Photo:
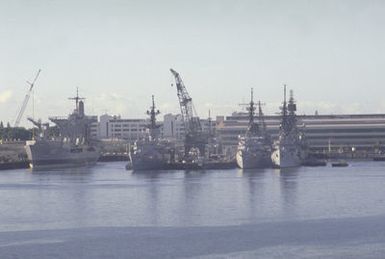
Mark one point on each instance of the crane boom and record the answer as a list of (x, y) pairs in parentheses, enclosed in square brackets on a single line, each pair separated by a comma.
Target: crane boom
[(38, 123), (26, 99), (191, 122), (194, 137)]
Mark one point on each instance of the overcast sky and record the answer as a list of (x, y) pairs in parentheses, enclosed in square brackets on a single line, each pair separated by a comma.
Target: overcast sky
[(331, 53)]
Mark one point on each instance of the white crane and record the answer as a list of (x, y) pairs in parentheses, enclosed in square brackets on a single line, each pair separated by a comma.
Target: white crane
[(26, 99)]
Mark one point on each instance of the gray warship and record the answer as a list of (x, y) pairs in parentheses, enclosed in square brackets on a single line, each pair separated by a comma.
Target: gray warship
[(73, 146), (290, 150), (254, 148), (151, 152)]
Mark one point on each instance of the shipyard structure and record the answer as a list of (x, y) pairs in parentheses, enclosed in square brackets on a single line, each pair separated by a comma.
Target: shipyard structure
[(116, 127), (360, 134), (325, 133)]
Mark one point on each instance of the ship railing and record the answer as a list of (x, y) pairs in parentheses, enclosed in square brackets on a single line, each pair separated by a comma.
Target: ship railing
[(58, 118)]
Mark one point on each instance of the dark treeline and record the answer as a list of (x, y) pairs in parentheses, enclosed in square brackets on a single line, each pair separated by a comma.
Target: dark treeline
[(10, 133), (19, 133)]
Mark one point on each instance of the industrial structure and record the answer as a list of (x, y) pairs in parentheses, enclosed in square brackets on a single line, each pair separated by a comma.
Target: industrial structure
[(26, 99), (194, 136), (116, 127), (324, 133)]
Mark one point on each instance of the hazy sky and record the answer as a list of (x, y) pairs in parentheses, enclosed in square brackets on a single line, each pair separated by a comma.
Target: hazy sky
[(332, 53)]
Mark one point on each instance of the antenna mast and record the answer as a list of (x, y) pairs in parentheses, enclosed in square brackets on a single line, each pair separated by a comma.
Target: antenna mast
[(77, 99)]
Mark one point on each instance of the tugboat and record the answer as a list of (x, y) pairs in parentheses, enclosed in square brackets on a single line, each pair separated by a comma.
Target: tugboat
[(290, 148), (254, 149), (151, 152), (73, 146)]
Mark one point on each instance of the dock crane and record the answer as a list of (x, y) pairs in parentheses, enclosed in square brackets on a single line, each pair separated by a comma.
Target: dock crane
[(26, 99), (194, 137)]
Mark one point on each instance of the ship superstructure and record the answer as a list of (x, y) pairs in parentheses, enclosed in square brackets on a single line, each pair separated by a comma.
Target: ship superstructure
[(254, 148), (72, 147), (290, 148), (151, 152)]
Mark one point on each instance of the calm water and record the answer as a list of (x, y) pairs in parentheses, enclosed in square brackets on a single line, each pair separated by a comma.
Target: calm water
[(106, 211)]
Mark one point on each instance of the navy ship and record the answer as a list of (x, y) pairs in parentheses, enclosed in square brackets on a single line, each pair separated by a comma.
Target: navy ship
[(73, 146), (290, 148), (254, 149), (151, 152)]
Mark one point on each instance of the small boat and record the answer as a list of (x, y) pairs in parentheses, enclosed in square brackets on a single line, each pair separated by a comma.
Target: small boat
[(341, 163)]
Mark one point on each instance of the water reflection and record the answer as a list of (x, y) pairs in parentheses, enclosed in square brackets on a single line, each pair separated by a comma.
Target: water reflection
[(288, 190), (151, 200), (79, 174), (172, 197), (147, 175), (108, 195), (59, 193), (256, 190), (192, 199)]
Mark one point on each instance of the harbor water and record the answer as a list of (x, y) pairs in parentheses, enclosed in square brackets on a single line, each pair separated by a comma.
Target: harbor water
[(107, 212)]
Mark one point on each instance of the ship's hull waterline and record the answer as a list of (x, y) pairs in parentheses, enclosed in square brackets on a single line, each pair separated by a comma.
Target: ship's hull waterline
[(285, 159), (147, 164), (50, 155), (247, 160)]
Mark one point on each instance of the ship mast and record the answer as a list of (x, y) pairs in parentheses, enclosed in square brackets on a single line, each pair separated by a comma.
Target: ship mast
[(251, 108), (289, 108), (261, 116), (284, 125), (77, 99), (153, 112), (253, 127)]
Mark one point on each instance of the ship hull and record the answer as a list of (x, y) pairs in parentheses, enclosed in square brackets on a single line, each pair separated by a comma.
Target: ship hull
[(285, 159), (48, 155), (147, 164), (247, 160), (150, 157)]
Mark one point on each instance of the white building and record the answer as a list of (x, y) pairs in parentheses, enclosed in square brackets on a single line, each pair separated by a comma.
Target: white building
[(173, 127), (114, 127), (340, 131)]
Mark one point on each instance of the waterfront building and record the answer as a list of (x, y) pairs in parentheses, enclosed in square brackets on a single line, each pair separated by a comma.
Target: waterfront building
[(173, 127), (325, 133), (115, 127)]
